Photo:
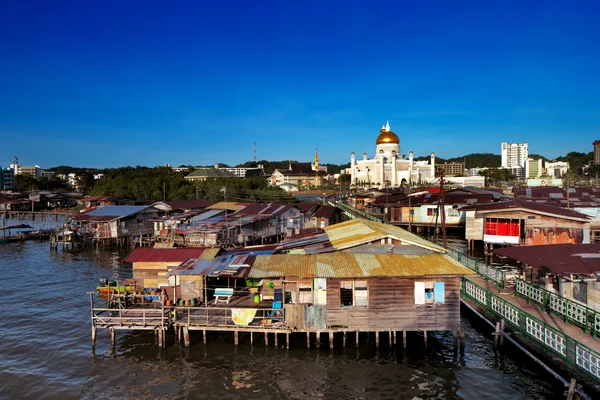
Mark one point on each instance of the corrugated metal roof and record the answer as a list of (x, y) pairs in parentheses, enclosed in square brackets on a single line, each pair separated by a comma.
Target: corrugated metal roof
[(348, 265), (360, 231), (529, 206), (206, 215), (557, 258), (115, 211), (152, 254), (227, 205)]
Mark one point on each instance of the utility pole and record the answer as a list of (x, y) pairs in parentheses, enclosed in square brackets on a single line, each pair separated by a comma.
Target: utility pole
[(441, 202)]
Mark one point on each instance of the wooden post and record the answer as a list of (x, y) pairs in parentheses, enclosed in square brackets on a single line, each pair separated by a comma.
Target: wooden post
[(112, 337), (331, 339), (266, 338), (425, 337), (497, 333), (93, 335), (251, 338), (308, 340), (159, 333), (404, 338), (390, 337), (204, 335), (318, 339), (455, 338), (186, 336), (571, 391), (235, 337), (502, 330), (376, 338), (287, 340), (275, 334), (344, 345), (357, 339), (462, 338)]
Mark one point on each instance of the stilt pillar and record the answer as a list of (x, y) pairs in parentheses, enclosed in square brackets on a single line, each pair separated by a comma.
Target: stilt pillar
[(425, 338), (308, 340), (376, 338), (93, 335), (404, 338), (186, 336), (112, 337), (318, 339), (287, 340), (331, 339), (204, 336), (357, 336), (235, 337)]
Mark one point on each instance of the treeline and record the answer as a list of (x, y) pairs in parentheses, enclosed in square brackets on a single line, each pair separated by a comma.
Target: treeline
[(162, 183)]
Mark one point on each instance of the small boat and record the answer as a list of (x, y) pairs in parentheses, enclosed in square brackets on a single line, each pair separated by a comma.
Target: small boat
[(10, 239)]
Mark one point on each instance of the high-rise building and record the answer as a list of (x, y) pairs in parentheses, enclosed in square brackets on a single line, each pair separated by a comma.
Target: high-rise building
[(514, 157), (533, 168), (7, 178), (514, 154), (596, 152)]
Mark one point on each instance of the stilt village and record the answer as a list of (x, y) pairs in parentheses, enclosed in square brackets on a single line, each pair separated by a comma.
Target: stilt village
[(351, 266)]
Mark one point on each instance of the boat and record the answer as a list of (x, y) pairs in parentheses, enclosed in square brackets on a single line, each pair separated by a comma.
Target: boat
[(12, 238)]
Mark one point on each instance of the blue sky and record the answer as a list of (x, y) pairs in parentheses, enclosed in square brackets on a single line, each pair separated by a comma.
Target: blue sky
[(115, 83)]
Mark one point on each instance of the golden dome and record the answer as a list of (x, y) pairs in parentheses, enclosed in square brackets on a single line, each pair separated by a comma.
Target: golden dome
[(387, 137)]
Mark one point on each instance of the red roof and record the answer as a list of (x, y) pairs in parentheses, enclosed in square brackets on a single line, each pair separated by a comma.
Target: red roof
[(324, 212), (190, 204), (557, 258), (527, 205), (151, 254)]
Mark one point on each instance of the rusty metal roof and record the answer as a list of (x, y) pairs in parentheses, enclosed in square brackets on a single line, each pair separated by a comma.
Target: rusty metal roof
[(150, 254), (227, 205), (360, 231), (350, 265)]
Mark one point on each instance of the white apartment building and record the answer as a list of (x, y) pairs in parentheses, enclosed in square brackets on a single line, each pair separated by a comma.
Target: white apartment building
[(557, 169), (514, 157)]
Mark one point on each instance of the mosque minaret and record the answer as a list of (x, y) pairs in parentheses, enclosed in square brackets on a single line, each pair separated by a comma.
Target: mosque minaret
[(388, 168)]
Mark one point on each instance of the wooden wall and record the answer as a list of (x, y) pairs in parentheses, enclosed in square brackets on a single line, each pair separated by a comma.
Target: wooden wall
[(392, 306)]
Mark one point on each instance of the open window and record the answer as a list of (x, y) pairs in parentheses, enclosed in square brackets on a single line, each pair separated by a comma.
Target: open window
[(354, 293), (430, 293)]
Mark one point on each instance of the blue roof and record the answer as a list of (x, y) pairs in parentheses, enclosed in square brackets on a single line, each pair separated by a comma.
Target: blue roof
[(115, 211)]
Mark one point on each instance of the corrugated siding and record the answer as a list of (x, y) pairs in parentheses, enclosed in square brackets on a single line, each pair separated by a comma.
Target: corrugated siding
[(392, 307)]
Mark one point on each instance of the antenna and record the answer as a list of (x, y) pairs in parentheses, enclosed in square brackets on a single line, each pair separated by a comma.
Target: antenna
[(254, 151)]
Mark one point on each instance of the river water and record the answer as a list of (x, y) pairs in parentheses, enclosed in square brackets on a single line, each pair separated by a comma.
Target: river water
[(46, 353)]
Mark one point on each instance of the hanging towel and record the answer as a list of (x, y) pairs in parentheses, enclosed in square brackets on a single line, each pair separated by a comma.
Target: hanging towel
[(242, 316)]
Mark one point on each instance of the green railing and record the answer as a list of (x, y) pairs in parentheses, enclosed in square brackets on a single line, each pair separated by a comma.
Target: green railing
[(487, 271), (569, 310), (353, 212), (569, 349)]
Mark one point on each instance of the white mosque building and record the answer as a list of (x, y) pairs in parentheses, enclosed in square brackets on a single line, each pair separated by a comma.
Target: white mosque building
[(388, 168)]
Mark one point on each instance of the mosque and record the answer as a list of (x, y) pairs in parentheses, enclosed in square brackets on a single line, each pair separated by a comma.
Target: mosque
[(388, 168)]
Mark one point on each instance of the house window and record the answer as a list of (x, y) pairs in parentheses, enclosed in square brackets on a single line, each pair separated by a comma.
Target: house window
[(502, 226), (305, 295), (429, 293), (453, 213), (354, 293), (431, 212)]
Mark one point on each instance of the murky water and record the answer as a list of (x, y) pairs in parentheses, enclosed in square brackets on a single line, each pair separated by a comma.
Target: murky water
[(45, 351)]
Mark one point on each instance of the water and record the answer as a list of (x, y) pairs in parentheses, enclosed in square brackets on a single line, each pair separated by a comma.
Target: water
[(46, 353)]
